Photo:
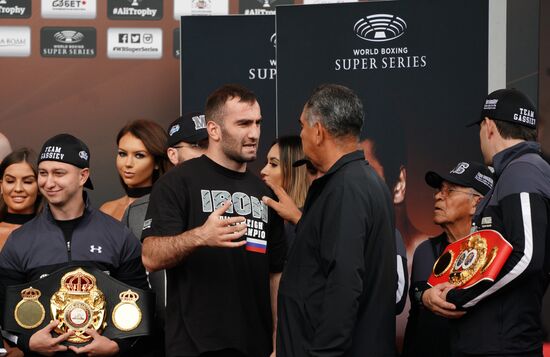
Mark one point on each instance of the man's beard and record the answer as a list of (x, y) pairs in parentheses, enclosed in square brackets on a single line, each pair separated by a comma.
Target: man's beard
[(235, 156)]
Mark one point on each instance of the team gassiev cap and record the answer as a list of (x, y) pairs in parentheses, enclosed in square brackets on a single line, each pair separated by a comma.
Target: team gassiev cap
[(68, 149), (509, 105)]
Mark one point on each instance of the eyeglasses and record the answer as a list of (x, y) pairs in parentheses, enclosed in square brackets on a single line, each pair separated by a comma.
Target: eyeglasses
[(195, 145), (446, 192)]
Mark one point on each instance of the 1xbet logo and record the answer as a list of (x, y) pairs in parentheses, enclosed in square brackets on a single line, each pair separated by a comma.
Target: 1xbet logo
[(69, 3)]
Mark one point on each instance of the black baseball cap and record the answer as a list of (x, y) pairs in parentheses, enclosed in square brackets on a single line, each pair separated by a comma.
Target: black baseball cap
[(509, 105), (467, 174), (68, 149), (190, 128)]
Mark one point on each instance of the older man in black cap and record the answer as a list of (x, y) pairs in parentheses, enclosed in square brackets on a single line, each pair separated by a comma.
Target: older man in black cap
[(456, 197), (68, 232), (503, 316), (187, 138)]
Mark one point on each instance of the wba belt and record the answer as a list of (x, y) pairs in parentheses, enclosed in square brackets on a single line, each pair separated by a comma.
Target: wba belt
[(472, 259), (79, 298)]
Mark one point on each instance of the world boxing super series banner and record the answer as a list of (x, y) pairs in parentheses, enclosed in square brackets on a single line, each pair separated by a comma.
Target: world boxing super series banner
[(230, 49), (421, 70)]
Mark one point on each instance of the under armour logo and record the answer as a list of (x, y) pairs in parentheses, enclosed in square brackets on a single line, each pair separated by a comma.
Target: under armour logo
[(94, 249), (460, 168)]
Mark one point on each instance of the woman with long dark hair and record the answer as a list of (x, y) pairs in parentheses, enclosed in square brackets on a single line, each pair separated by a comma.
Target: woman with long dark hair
[(19, 200), (141, 160)]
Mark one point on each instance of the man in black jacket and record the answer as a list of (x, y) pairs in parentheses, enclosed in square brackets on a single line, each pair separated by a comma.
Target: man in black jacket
[(69, 232), (337, 293), (503, 317)]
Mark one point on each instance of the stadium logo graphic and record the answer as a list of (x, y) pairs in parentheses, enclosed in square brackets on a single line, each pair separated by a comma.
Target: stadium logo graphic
[(74, 42), (68, 36), (380, 27), (273, 40)]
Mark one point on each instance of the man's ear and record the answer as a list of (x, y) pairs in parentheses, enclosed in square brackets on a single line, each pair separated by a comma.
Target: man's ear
[(491, 128), (475, 201), (319, 133), (84, 174), (172, 154), (214, 130), (400, 188)]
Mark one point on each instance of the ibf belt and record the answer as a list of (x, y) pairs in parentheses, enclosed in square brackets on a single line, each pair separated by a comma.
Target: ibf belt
[(477, 257), (80, 299)]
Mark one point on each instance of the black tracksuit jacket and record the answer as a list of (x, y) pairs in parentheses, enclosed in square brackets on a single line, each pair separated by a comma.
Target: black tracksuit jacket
[(38, 248), (503, 317)]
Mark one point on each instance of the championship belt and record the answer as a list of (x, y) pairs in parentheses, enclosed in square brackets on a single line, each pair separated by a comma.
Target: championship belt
[(80, 299), (477, 257)]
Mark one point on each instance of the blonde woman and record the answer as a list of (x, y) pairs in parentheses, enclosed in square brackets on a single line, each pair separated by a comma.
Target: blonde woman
[(289, 183)]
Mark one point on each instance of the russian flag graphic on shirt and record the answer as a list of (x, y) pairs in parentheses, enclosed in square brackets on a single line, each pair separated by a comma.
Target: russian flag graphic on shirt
[(256, 245)]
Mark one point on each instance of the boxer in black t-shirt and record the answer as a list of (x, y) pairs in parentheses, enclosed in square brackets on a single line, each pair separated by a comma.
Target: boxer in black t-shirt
[(222, 247)]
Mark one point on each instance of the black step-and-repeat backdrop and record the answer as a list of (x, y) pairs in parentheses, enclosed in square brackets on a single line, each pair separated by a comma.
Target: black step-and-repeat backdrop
[(421, 72), (230, 49), (421, 69)]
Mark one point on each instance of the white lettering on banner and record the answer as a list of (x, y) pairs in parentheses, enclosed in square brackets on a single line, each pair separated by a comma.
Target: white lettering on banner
[(380, 58), (69, 51), (15, 10), (128, 11), (366, 63), (259, 12), (262, 73), (242, 204)]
